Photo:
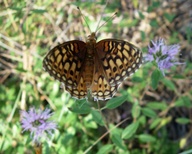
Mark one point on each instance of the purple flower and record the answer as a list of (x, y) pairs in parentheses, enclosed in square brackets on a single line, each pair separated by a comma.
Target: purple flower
[(36, 121), (165, 56)]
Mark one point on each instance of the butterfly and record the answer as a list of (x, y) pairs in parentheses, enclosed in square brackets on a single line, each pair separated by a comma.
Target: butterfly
[(95, 67)]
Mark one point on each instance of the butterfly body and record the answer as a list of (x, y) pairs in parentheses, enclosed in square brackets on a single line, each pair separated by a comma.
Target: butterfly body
[(88, 68), (96, 67)]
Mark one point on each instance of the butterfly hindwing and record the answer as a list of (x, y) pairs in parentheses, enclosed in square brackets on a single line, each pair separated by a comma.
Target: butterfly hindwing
[(101, 88), (79, 91)]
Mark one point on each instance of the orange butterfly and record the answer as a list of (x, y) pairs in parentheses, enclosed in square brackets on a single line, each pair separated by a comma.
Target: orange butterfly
[(98, 67)]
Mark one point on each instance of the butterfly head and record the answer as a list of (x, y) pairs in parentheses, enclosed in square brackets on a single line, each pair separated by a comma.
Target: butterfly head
[(92, 38)]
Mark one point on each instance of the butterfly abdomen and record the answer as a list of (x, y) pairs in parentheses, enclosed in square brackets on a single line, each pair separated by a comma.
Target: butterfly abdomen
[(88, 70)]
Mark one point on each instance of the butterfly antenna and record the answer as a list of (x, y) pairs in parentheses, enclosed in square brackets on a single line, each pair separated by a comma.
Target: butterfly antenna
[(84, 19), (110, 18), (101, 15)]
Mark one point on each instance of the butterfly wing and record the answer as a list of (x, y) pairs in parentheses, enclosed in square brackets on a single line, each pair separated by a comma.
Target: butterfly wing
[(64, 62), (119, 59), (79, 91), (100, 88)]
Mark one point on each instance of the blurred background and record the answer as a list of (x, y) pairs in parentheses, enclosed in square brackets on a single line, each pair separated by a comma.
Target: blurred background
[(29, 29)]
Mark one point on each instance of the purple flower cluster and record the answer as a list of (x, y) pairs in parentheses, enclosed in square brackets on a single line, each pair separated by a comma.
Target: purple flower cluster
[(165, 56), (36, 121)]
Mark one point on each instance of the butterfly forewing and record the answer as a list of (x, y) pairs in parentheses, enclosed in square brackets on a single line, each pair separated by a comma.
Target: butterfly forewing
[(119, 59), (64, 62)]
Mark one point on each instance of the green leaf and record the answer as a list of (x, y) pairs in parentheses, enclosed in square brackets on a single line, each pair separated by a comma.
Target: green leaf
[(183, 120), (156, 4), (169, 84), (155, 122), (136, 79), (146, 138), (165, 121), (143, 35), (157, 105), (39, 11), (169, 16), (142, 120), (117, 140), (141, 15), (136, 110), (183, 101), (97, 117), (135, 3), (155, 78), (150, 9), (129, 23), (115, 102), (80, 107), (186, 152), (148, 112), (189, 35), (130, 130), (154, 23), (105, 149), (178, 76)]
